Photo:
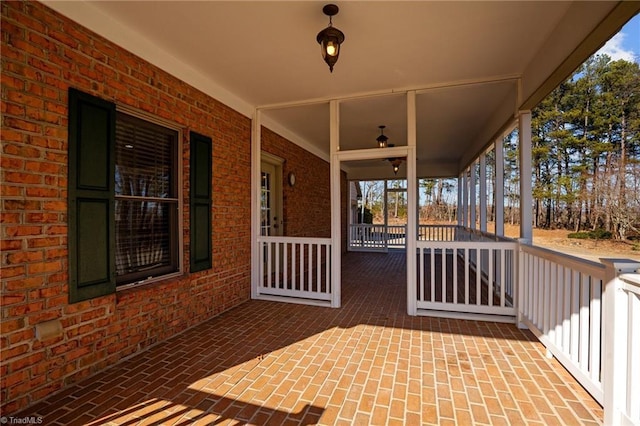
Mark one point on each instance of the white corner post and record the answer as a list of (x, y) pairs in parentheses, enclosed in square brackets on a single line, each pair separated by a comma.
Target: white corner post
[(499, 187), (483, 192), (336, 222), (256, 256), (412, 204), (472, 195), (620, 368), (526, 190)]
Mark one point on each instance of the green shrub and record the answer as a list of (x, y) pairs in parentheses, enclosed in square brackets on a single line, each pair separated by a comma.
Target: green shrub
[(579, 235), (598, 234)]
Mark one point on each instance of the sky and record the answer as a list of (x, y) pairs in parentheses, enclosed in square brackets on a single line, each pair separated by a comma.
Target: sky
[(626, 44)]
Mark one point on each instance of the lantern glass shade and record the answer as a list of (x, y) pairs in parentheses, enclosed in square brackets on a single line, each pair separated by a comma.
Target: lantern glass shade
[(382, 141), (395, 163), (330, 40)]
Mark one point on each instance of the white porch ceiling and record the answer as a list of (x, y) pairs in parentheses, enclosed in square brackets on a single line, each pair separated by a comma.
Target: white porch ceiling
[(473, 64)]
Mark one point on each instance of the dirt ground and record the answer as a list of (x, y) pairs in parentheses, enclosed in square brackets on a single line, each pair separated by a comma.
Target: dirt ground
[(556, 239)]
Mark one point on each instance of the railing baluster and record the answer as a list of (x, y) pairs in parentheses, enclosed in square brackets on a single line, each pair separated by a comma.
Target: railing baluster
[(490, 290), (285, 265), (548, 309), (294, 266), (584, 323), (443, 273), (559, 314), (318, 286), (276, 275), (566, 319), (454, 265), (503, 277), (478, 258), (595, 328), (466, 276), (421, 273), (575, 316), (432, 273), (269, 265)]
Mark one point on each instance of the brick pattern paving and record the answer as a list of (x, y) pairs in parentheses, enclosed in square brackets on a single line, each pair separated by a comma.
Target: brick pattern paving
[(367, 363)]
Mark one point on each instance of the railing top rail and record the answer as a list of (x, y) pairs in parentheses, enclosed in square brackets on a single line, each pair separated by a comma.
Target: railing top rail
[(633, 280), (485, 234), (298, 240), (483, 245), (590, 267)]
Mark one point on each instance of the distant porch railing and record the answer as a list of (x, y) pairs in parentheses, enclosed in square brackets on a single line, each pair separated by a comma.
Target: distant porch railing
[(369, 237)]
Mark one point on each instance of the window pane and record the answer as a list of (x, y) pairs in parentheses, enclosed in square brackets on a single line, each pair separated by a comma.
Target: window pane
[(146, 200), (143, 237), (144, 158)]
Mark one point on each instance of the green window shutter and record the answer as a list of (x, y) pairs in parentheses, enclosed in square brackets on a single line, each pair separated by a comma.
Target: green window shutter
[(91, 197), (200, 202)]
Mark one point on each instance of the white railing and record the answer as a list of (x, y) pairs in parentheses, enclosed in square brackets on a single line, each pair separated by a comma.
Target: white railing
[(437, 232), (561, 303), (396, 236), (467, 277), (621, 366), (587, 315), (295, 267), (367, 237)]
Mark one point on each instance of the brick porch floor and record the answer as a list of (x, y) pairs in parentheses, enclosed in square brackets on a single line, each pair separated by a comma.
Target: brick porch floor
[(366, 363)]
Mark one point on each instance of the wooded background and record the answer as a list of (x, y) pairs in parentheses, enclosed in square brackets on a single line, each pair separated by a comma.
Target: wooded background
[(586, 159)]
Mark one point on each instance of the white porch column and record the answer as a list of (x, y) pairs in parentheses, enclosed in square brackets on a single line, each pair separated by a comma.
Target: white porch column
[(256, 256), (459, 209), (472, 196), (483, 192), (465, 198), (499, 187), (526, 191), (412, 204), (336, 231)]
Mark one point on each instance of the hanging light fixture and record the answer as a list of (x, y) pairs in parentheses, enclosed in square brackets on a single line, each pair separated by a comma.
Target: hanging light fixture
[(330, 38), (382, 139), (395, 163), (382, 143)]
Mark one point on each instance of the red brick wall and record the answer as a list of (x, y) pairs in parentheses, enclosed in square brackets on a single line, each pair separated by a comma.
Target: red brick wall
[(43, 54)]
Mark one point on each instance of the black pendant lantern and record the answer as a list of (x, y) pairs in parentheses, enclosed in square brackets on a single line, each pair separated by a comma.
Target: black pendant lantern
[(382, 139), (330, 38)]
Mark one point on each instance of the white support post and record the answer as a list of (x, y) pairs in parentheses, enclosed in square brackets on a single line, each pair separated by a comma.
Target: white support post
[(412, 204), (465, 198), (460, 209), (499, 187), (616, 324), (526, 190), (473, 196), (385, 209), (256, 256), (483, 192), (336, 231)]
